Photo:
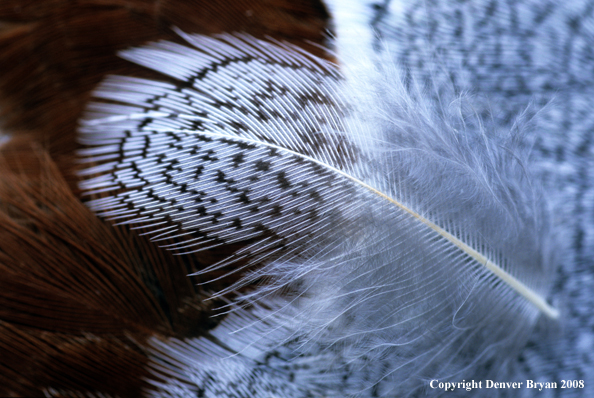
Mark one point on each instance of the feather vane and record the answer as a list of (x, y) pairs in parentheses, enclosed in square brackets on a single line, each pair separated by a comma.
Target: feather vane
[(392, 230)]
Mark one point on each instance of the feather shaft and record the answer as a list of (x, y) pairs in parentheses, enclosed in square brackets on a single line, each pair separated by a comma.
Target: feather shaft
[(514, 283)]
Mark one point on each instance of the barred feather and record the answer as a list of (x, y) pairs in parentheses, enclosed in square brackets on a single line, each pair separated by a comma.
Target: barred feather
[(393, 242)]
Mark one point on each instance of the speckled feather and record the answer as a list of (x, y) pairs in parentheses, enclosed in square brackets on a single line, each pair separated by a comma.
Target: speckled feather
[(374, 220), (204, 160)]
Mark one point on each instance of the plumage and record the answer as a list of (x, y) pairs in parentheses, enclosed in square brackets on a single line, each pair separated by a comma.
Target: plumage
[(381, 231), (346, 226)]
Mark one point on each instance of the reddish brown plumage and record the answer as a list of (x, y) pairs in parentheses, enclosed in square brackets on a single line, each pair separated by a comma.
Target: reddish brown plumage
[(78, 296)]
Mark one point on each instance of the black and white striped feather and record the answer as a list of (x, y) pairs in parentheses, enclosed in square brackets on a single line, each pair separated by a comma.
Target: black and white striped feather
[(398, 242)]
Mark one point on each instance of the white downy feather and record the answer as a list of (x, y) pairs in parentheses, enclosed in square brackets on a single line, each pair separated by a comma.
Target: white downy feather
[(401, 243)]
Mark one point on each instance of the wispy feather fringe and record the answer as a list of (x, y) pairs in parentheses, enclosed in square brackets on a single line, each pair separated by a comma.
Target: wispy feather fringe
[(394, 242)]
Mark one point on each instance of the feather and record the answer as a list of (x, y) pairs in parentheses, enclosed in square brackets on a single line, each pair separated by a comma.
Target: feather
[(380, 242)]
